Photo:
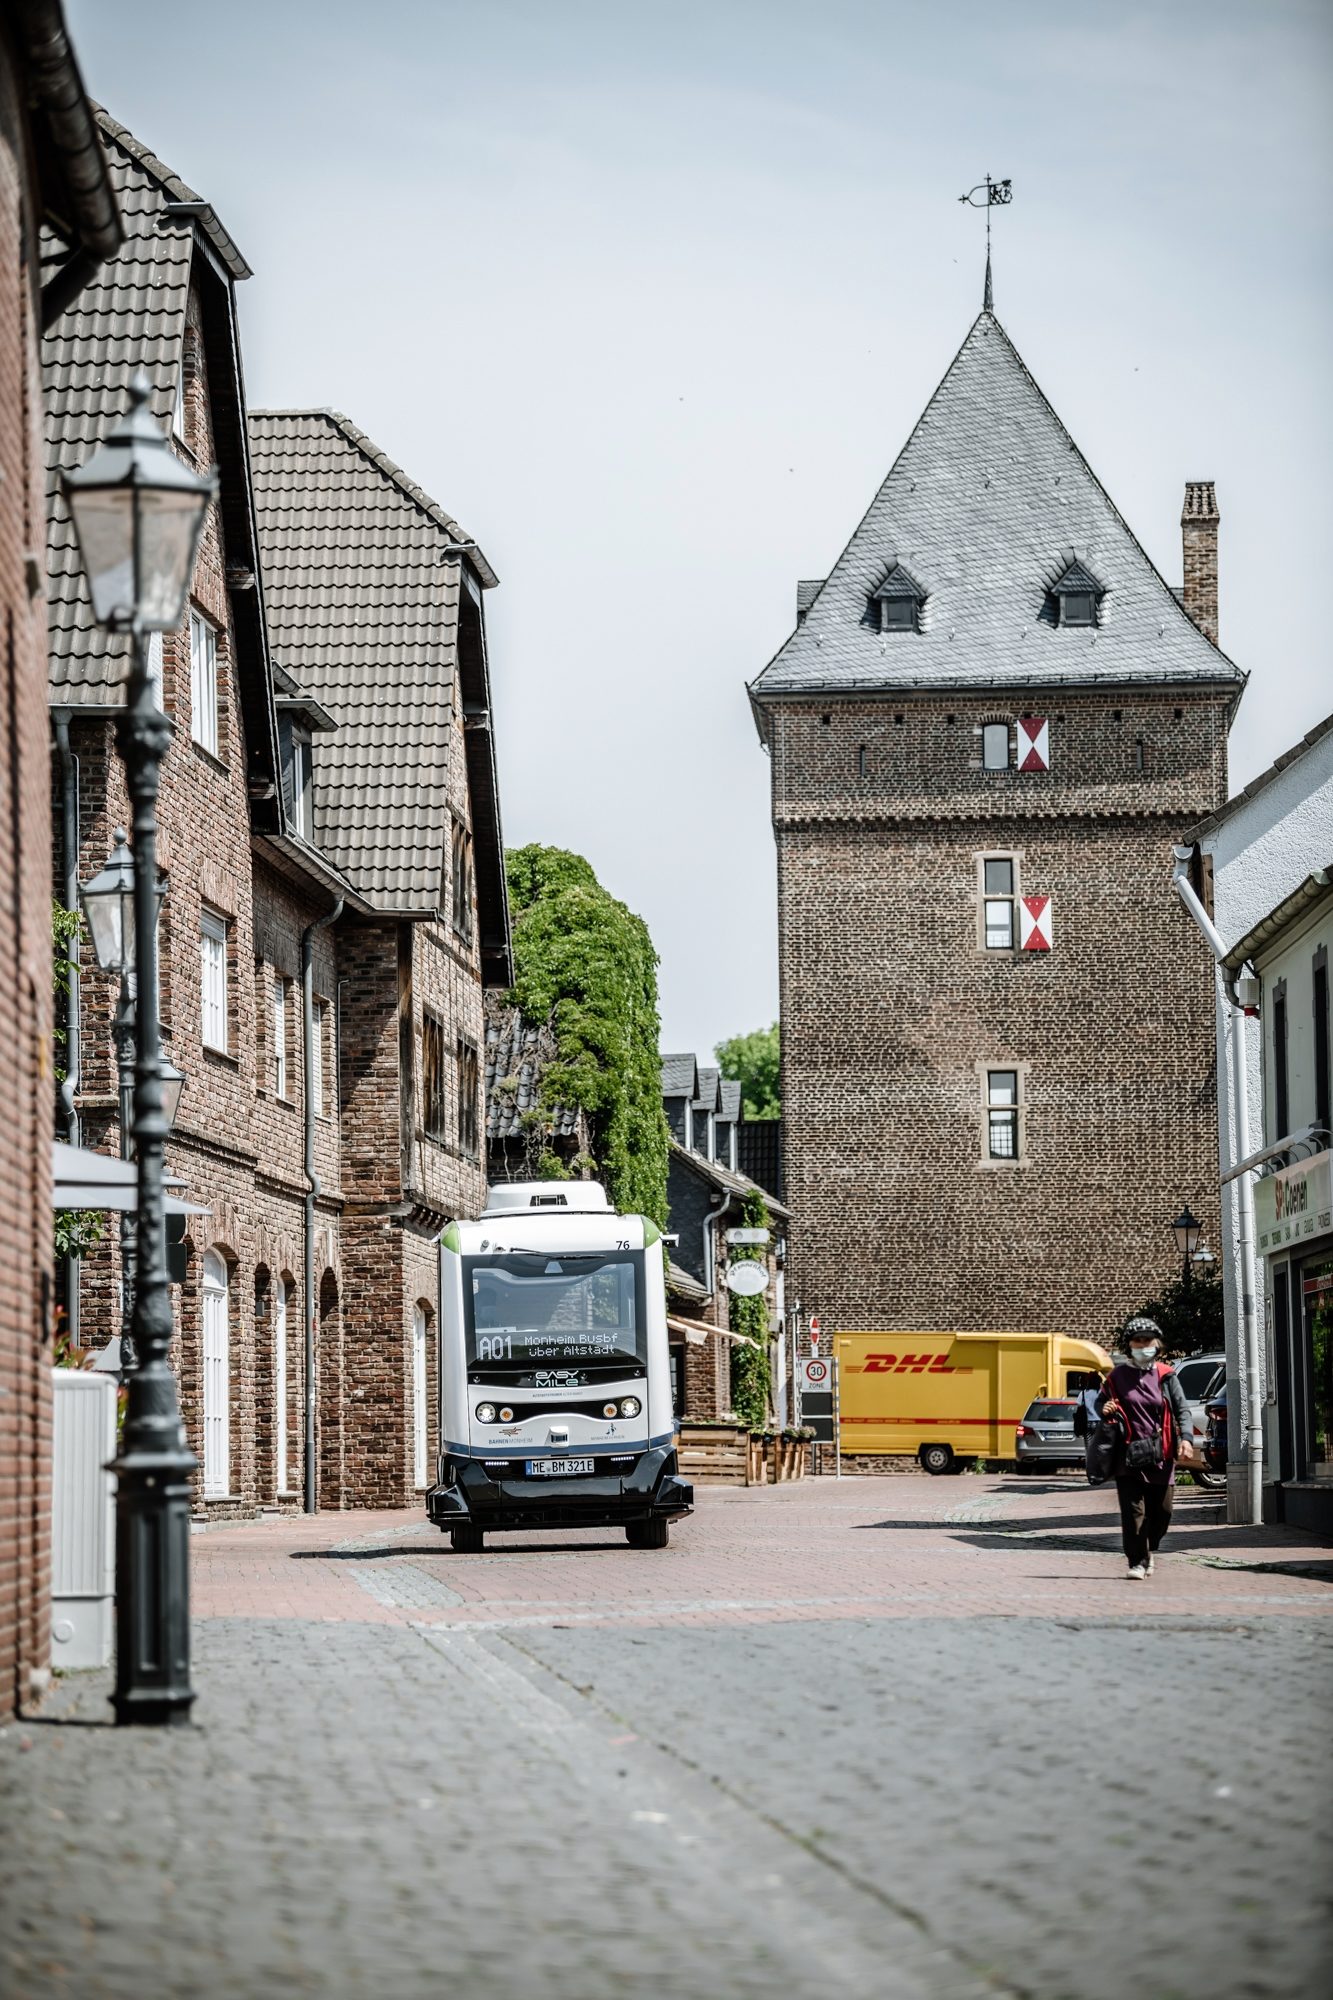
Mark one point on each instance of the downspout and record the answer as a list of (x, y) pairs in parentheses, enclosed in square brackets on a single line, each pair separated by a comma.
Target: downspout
[(312, 1187), (1240, 1103), (710, 1221), (69, 855)]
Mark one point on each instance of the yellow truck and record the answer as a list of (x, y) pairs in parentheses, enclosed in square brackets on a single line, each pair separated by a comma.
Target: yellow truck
[(947, 1397)]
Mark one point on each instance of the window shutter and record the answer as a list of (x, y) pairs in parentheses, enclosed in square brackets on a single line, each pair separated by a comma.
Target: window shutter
[(1034, 743), (1034, 915)]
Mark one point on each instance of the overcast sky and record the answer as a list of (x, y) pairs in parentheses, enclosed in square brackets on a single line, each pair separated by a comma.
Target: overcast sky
[(650, 295)]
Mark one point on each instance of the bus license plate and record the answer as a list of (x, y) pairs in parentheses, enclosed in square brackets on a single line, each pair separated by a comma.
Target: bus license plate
[(557, 1468)]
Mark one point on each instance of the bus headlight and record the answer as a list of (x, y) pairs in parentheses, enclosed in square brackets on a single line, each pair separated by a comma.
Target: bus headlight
[(506, 1416), (608, 1409), (630, 1406), (485, 1413)]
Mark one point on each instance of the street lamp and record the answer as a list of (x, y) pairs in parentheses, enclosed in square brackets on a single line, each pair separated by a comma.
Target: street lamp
[(138, 512), (1187, 1229), (108, 905)]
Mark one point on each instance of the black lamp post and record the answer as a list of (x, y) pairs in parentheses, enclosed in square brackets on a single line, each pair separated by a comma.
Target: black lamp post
[(138, 511), (108, 905), (1187, 1229)]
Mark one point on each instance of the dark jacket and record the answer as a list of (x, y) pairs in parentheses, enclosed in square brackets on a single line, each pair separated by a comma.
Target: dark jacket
[(1173, 1397)]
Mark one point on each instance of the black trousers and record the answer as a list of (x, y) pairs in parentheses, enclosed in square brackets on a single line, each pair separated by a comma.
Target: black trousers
[(1145, 1513)]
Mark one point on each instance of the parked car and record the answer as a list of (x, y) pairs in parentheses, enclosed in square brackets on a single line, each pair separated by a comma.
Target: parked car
[(1215, 1442), (1045, 1438), (1200, 1376)]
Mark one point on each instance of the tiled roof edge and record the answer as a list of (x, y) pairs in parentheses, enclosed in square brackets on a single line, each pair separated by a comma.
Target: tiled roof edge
[(406, 485), (1262, 782), (176, 189)]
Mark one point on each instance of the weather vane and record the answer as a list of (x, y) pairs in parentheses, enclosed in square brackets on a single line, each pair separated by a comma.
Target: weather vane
[(988, 194)]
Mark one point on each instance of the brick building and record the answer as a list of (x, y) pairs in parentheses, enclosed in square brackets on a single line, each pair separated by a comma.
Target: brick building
[(375, 606), (58, 220), (305, 959), (705, 1198), (990, 722)]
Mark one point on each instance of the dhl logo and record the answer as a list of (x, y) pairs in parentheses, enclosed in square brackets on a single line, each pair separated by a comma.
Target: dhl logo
[(905, 1364)]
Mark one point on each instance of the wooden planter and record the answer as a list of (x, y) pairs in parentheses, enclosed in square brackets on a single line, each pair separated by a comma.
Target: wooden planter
[(788, 1458), (714, 1454)]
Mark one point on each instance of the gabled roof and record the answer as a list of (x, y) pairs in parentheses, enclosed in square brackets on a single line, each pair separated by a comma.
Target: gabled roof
[(899, 584), (724, 1179), (731, 1099), (375, 614), (1263, 781), (992, 500), (1077, 577), (131, 315), (708, 1096), (680, 1076)]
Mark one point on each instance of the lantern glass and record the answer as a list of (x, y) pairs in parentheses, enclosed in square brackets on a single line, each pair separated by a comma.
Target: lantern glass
[(1187, 1229), (108, 906), (173, 1083)]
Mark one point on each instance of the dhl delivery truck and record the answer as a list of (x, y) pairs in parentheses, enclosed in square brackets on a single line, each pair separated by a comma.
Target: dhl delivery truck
[(947, 1397)]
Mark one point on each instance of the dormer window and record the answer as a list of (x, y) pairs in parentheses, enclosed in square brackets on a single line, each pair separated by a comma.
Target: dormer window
[(1077, 596), (898, 602), (300, 719)]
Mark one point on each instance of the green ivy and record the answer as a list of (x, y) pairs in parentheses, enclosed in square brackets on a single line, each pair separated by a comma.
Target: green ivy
[(586, 964), (66, 926), (751, 1375)]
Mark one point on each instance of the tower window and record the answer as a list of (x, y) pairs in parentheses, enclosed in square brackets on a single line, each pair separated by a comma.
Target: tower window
[(1077, 595), (896, 605), (1002, 1114), (999, 886), (995, 746)]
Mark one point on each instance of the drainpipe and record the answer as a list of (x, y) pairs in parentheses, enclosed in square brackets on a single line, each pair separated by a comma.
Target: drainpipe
[(69, 855), (1240, 1102), (710, 1222), (312, 1187)]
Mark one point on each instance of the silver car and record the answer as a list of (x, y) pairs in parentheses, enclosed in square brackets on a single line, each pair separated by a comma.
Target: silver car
[(1045, 1438)]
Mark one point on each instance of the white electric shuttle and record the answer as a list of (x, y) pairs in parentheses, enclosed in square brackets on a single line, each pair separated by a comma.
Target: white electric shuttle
[(554, 1374)]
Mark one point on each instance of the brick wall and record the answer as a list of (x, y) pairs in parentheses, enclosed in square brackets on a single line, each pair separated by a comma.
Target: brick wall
[(25, 952), (892, 1010)]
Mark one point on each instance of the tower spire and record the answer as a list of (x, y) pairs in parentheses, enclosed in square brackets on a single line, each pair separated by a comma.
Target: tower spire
[(993, 194)]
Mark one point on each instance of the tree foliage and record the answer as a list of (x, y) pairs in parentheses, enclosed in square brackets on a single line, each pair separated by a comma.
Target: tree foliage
[(751, 1371), (586, 964), (1189, 1312), (753, 1061)]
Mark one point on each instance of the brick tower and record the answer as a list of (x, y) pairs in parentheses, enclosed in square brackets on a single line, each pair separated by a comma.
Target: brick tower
[(990, 723)]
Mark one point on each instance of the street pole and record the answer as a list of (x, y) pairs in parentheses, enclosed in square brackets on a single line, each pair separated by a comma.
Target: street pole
[(154, 1464), (123, 1031)]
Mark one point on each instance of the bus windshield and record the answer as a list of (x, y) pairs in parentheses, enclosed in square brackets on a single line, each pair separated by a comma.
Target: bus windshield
[(552, 1311)]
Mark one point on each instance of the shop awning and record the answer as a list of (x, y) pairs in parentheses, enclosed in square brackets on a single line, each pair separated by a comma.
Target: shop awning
[(85, 1179)]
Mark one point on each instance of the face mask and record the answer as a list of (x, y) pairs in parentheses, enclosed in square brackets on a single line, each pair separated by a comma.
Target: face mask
[(1141, 1356)]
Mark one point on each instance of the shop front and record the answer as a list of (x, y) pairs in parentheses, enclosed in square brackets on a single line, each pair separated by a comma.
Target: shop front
[(1294, 1230)]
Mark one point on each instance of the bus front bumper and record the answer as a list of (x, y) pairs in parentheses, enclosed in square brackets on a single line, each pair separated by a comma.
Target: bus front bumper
[(488, 1497)]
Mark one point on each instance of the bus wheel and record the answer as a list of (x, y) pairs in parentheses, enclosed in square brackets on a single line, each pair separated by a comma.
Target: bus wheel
[(936, 1458), (647, 1534), (466, 1541)]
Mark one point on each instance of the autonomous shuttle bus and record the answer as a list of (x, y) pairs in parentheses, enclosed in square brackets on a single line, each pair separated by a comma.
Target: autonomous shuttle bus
[(555, 1381)]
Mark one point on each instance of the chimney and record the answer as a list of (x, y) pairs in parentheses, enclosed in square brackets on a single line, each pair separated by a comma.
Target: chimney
[(1198, 533)]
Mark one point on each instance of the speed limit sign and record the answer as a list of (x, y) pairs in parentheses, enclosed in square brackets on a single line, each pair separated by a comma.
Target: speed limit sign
[(817, 1375)]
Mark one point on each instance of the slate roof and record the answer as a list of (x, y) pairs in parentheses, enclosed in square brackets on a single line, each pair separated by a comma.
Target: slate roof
[(681, 1285), (131, 315), (709, 1097), (990, 500), (519, 1049), (723, 1177), (364, 610), (731, 1099), (680, 1076), (1079, 577)]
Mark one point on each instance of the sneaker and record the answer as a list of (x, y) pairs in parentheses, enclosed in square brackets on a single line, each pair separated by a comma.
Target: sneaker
[(1137, 1572), (1150, 1565)]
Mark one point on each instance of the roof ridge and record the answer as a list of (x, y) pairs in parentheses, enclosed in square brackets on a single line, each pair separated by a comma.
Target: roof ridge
[(176, 189)]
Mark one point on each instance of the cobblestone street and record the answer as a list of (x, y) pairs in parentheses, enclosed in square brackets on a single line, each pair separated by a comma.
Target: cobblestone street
[(898, 1736)]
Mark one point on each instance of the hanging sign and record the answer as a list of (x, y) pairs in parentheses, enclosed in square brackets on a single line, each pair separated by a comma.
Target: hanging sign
[(1034, 923), (747, 1279), (1295, 1203), (1034, 743)]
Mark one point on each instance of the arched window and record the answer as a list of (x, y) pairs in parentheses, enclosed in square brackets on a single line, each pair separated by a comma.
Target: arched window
[(217, 1377), (418, 1396)]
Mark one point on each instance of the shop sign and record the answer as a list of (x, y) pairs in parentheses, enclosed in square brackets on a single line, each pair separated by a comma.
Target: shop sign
[(1295, 1205)]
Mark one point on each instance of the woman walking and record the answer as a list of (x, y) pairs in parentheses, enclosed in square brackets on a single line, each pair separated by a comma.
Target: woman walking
[(1154, 1419)]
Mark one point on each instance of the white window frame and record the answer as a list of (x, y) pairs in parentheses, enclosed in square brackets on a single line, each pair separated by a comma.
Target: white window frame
[(303, 802), (318, 1010), (153, 661), (280, 1444), (990, 732), (278, 1014), (213, 1026), (216, 1344), (204, 682), (995, 904), (419, 1333)]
